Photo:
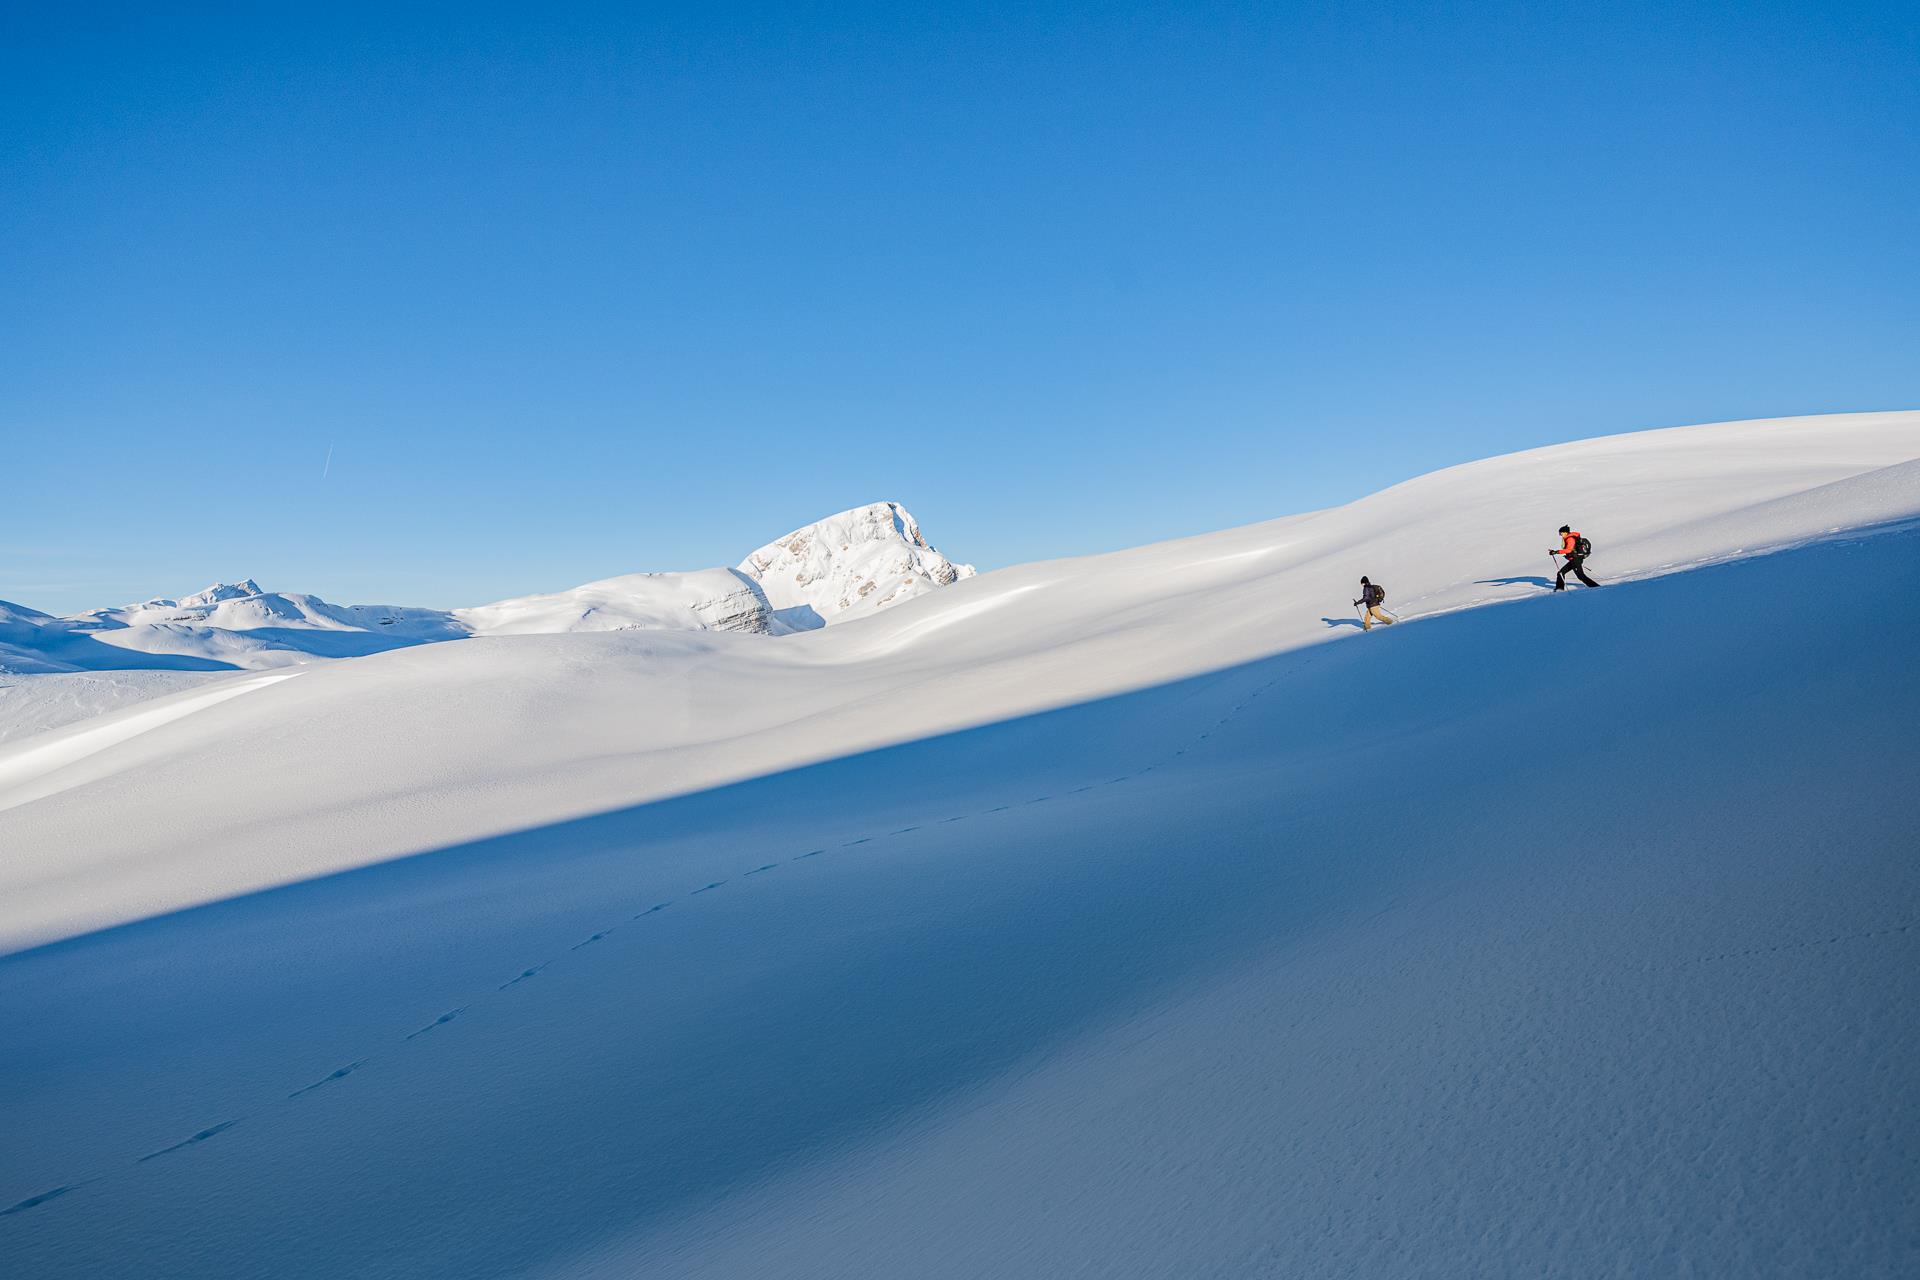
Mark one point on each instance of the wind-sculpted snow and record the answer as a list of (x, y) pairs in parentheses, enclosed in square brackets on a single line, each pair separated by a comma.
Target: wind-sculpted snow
[(37, 703), (1571, 937), (41, 770)]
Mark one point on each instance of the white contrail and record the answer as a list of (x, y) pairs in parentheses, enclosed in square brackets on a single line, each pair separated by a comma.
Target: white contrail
[(328, 465)]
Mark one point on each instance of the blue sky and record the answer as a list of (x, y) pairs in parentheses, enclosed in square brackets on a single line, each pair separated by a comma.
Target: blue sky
[(570, 294)]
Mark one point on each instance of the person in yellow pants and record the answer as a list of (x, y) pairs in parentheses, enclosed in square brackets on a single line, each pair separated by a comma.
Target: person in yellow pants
[(1372, 596)]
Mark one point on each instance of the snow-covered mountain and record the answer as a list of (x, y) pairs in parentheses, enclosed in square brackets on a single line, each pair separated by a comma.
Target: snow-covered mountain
[(244, 606), (1132, 915), (846, 566)]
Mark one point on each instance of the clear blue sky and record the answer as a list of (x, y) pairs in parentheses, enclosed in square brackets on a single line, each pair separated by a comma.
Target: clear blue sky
[(580, 290)]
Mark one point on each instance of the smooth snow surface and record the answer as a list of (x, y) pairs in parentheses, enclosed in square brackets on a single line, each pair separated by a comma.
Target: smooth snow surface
[(1571, 937)]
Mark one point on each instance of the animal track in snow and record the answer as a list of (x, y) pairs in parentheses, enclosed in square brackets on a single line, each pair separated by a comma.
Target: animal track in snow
[(34, 1201), (440, 1021), (197, 1138), (341, 1073), (522, 976), (1887, 932), (338, 1073)]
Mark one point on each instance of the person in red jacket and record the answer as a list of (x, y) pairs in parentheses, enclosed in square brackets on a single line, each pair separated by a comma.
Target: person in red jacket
[(1576, 549)]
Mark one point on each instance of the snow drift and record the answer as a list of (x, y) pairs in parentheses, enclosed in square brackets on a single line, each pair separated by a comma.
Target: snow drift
[(1088, 917)]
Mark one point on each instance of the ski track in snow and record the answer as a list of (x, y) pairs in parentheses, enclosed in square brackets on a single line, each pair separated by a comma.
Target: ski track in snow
[(534, 970)]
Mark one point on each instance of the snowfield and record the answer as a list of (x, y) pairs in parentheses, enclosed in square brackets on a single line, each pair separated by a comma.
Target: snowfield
[(1095, 917)]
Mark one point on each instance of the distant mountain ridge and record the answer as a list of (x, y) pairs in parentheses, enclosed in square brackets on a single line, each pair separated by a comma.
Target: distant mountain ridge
[(848, 565)]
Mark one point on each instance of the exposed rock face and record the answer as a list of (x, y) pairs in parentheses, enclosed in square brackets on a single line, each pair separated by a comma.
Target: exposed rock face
[(848, 565)]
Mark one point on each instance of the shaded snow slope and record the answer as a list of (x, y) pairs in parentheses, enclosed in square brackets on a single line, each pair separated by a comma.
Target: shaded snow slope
[(1434, 952), (421, 747)]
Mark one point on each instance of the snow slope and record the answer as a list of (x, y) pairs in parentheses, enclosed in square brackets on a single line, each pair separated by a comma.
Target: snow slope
[(420, 747), (1564, 937), (31, 704)]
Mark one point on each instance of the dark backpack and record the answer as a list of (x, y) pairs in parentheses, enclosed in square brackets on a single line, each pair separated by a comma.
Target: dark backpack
[(1583, 547), (1373, 593)]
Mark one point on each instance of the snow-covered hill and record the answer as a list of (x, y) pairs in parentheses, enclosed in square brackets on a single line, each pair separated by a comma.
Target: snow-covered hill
[(845, 566), (651, 714), (1089, 917), (705, 600)]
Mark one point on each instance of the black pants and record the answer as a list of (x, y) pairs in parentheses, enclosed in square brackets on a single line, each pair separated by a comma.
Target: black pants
[(1572, 566)]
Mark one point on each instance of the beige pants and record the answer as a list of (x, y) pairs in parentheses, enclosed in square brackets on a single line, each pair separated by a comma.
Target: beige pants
[(1373, 615)]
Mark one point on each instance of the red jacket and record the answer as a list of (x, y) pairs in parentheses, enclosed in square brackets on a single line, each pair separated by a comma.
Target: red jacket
[(1569, 543)]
